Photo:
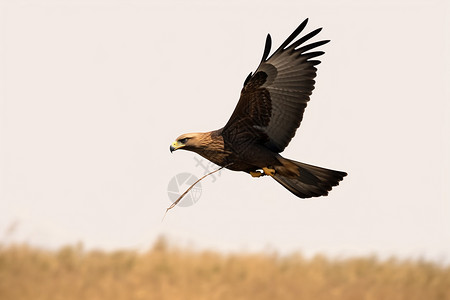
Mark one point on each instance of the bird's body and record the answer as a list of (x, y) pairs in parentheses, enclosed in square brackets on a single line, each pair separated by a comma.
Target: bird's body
[(266, 118)]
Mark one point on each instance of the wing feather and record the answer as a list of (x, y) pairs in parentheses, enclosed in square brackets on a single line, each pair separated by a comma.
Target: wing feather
[(275, 96)]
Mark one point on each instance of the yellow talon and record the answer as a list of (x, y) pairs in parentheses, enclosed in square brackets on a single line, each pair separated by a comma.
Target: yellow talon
[(256, 174), (269, 171)]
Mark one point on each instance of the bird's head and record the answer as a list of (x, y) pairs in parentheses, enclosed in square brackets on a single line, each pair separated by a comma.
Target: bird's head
[(187, 141)]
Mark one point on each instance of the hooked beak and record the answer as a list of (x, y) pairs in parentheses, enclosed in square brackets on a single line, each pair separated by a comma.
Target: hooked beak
[(176, 145)]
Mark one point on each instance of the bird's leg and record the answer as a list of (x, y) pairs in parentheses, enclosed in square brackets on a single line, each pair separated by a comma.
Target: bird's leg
[(256, 174), (269, 171)]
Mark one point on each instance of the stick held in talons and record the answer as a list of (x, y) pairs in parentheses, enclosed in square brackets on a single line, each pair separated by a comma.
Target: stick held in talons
[(192, 185)]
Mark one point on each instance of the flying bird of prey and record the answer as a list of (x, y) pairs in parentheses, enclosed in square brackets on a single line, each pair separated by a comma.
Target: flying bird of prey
[(266, 118)]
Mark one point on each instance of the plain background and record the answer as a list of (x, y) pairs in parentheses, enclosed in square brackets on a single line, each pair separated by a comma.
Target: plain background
[(92, 94)]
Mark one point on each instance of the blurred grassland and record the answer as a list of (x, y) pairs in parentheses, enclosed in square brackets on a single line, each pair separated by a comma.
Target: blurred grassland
[(166, 272)]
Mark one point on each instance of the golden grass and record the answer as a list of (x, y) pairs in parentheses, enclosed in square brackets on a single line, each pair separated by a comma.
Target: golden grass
[(165, 272)]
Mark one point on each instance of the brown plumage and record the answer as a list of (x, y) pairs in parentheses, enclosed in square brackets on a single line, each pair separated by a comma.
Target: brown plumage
[(266, 118)]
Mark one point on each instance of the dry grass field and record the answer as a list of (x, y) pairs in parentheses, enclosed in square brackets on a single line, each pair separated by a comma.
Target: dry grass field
[(165, 272)]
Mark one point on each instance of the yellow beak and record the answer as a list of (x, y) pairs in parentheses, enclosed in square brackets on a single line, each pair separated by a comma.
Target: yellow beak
[(176, 145)]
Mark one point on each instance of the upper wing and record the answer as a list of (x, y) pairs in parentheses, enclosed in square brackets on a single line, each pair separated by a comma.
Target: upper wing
[(274, 98)]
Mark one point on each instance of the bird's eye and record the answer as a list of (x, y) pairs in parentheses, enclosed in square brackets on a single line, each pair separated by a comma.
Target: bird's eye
[(183, 141)]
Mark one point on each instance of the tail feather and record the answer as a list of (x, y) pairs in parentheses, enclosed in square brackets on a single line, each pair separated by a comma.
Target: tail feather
[(307, 181)]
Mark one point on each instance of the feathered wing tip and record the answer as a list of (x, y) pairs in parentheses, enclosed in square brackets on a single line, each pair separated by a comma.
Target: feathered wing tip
[(293, 35), (267, 47), (289, 43), (312, 182)]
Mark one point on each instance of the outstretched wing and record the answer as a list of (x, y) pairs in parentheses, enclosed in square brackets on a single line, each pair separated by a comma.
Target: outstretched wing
[(274, 98)]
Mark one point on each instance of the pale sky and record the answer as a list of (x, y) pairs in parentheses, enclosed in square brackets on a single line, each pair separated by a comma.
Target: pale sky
[(92, 93)]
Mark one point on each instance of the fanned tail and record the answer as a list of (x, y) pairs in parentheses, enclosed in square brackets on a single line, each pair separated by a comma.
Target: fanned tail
[(306, 181)]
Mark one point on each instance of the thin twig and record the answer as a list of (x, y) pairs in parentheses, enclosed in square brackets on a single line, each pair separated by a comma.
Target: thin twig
[(182, 195)]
